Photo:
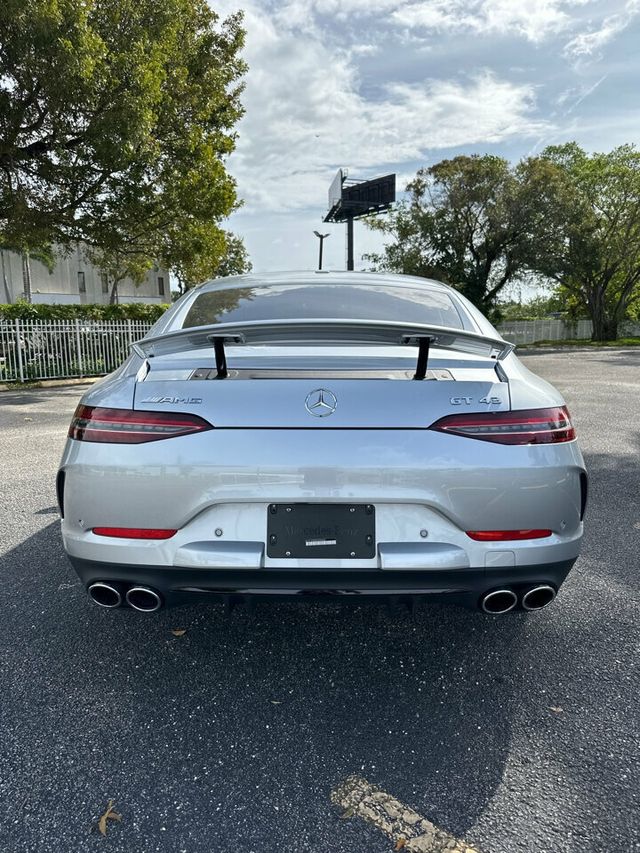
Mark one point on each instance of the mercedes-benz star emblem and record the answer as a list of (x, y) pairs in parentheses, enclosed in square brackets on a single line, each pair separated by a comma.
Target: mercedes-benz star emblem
[(321, 403)]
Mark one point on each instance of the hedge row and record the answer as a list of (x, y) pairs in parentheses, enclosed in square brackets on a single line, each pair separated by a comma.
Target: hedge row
[(127, 311)]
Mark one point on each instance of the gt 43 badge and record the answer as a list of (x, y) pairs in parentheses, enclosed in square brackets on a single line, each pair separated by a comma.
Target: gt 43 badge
[(467, 401)]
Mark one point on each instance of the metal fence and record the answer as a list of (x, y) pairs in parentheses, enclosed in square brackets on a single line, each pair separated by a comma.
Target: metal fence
[(65, 349), (552, 329)]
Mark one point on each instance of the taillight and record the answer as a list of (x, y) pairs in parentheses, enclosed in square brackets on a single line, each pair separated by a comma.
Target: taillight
[(506, 535), (124, 426), (148, 533), (527, 426)]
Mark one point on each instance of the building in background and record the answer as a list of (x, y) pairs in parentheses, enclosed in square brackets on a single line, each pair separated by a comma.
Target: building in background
[(74, 280)]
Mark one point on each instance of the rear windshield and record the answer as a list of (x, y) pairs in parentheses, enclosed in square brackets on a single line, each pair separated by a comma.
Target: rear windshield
[(324, 301)]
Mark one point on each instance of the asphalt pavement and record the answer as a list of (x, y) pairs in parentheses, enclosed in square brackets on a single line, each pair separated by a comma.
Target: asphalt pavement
[(516, 733)]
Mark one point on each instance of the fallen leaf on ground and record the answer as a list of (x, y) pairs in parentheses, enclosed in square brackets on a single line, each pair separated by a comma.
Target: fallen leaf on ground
[(400, 843), (556, 709), (178, 632), (108, 815)]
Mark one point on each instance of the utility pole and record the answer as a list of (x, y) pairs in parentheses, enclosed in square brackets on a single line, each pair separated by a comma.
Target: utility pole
[(322, 238)]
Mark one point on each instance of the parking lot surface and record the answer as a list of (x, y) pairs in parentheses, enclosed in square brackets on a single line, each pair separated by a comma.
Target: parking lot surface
[(516, 733)]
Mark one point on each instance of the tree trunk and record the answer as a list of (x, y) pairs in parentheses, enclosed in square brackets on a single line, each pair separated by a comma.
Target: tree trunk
[(26, 276), (605, 328), (604, 323), (7, 290), (113, 299)]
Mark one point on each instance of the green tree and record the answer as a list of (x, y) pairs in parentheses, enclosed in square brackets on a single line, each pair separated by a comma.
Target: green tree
[(118, 264), (467, 223), (236, 259), (42, 253), (116, 117), (558, 303), (192, 265), (194, 252), (591, 245)]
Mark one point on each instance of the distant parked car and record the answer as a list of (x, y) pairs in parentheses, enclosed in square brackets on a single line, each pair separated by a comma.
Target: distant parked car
[(323, 434)]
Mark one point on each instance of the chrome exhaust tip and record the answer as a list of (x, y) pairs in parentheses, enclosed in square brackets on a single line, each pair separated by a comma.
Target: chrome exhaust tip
[(538, 597), (499, 601), (105, 595), (144, 599)]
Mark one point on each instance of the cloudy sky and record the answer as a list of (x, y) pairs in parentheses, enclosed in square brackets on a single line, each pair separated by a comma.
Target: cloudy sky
[(388, 86)]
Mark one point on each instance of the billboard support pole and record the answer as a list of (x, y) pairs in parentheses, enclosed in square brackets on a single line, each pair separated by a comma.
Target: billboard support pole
[(350, 243), (349, 200)]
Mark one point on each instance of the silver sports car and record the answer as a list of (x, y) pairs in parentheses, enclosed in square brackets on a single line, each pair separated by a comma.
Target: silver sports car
[(348, 434)]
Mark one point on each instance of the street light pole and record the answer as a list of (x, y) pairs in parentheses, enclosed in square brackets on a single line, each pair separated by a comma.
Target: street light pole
[(321, 237)]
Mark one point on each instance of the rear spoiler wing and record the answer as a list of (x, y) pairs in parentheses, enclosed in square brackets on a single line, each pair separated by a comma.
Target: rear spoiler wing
[(305, 331)]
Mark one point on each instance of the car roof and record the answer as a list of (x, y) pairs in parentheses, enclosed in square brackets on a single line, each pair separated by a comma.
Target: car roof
[(325, 276)]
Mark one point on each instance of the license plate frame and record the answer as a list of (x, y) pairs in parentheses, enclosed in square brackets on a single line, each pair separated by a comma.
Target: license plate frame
[(321, 531)]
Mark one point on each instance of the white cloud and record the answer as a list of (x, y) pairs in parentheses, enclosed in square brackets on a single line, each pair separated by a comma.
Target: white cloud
[(371, 84), (300, 10), (364, 49), (534, 20), (588, 44), (571, 99), (306, 115)]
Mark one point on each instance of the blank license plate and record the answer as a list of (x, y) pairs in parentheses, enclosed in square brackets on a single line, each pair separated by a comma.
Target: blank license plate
[(322, 531)]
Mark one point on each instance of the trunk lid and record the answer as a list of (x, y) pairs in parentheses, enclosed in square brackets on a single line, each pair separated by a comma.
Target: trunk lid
[(297, 387)]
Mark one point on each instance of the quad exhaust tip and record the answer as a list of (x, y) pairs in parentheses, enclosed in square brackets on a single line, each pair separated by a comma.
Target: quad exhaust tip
[(105, 595), (499, 601), (538, 597), (144, 599)]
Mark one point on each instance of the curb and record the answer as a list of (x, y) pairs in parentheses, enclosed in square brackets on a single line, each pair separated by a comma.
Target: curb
[(47, 383)]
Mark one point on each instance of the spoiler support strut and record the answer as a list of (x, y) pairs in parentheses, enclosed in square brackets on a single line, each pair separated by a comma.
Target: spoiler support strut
[(423, 357), (221, 358)]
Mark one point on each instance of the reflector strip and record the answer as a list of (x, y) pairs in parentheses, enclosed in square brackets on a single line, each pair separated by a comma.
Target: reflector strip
[(506, 535), (134, 532)]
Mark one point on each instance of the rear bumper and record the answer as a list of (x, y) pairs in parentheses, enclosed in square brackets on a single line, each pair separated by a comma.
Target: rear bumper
[(185, 585)]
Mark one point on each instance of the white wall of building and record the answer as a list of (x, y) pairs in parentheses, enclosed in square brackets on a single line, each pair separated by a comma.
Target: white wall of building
[(76, 281)]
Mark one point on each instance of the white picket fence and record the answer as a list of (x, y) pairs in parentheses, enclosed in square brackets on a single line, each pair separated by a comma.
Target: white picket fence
[(65, 349)]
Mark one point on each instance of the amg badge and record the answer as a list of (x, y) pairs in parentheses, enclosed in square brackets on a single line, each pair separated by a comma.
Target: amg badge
[(173, 400)]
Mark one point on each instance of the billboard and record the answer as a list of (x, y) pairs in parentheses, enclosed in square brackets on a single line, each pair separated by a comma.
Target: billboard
[(359, 198), (335, 190)]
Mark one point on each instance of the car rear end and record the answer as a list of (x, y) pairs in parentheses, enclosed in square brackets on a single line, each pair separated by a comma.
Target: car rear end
[(321, 467)]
